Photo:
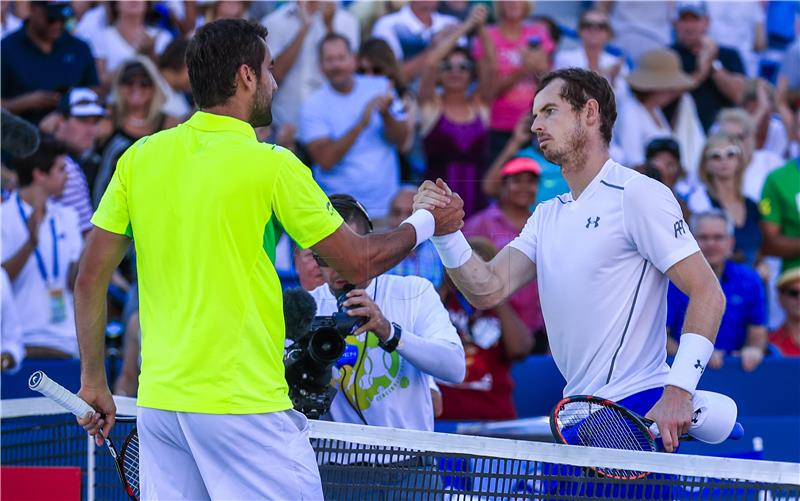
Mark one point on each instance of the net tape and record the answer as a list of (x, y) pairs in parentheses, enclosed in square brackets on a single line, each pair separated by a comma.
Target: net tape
[(365, 462)]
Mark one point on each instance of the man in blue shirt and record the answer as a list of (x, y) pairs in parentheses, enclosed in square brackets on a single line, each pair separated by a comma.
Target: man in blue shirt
[(40, 61), (743, 329)]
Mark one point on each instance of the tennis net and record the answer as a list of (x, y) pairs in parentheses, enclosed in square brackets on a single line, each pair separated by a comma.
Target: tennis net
[(361, 462)]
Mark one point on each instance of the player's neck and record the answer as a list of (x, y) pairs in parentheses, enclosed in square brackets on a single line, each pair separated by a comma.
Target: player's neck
[(579, 172)]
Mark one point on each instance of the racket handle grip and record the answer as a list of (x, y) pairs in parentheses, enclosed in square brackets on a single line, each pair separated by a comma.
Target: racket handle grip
[(54, 391)]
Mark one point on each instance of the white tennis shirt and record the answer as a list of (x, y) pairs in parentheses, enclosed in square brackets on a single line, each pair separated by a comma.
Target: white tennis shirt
[(601, 263)]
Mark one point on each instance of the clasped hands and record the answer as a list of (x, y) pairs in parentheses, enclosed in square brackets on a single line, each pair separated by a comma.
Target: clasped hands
[(445, 205)]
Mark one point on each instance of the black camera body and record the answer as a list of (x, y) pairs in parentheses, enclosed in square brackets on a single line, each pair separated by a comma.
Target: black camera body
[(310, 358)]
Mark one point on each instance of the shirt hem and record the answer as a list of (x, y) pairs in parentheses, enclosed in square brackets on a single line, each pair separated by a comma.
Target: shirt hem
[(215, 409)]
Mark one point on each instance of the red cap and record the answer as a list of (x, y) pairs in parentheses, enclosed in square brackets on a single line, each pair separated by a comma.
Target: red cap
[(520, 164)]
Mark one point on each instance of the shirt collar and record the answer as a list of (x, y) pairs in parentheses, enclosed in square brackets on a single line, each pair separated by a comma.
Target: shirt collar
[(211, 122)]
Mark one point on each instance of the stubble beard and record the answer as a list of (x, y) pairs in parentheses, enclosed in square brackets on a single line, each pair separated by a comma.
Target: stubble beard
[(261, 108), (572, 156)]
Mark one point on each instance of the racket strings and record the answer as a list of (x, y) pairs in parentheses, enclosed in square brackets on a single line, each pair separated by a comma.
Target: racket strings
[(130, 461)]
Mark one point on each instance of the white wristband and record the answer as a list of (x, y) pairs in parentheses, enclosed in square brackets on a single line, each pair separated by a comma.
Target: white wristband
[(694, 351), (453, 249), (424, 224)]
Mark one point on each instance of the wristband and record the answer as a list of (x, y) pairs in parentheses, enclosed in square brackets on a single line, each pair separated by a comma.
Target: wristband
[(424, 224), (694, 351), (453, 249)]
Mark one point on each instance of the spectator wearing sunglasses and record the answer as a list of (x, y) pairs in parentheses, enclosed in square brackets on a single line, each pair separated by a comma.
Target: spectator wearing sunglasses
[(721, 172), (743, 330), (454, 124), (787, 337), (595, 32), (40, 61)]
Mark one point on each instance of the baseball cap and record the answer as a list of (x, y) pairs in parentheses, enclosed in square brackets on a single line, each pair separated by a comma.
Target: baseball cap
[(81, 102), (520, 164), (57, 9), (788, 277), (696, 8)]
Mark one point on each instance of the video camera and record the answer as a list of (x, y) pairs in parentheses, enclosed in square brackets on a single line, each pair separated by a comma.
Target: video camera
[(310, 358)]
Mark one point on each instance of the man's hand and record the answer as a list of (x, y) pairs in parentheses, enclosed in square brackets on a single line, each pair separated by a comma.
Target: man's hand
[(383, 103), (99, 397), (673, 415), (359, 304), (477, 17), (366, 115), (751, 358), (40, 99), (447, 207)]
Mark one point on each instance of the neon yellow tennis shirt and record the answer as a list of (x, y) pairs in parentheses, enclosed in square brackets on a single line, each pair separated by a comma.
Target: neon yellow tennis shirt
[(202, 202)]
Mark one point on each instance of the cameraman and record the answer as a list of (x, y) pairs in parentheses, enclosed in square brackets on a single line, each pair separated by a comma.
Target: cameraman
[(408, 335)]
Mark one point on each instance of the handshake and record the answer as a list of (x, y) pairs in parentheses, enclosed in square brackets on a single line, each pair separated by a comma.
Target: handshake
[(447, 207)]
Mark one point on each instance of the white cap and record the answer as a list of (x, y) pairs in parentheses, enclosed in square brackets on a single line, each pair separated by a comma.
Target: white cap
[(714, 416), (82, 102)]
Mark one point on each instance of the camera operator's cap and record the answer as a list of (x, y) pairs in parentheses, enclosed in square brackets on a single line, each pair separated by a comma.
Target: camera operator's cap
[(521, 164), (81, 102), (57, 9), (660, 144), (696, 8), (788, 277)]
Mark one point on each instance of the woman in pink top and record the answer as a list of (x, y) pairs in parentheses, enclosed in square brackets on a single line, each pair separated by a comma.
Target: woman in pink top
[(522, 52)]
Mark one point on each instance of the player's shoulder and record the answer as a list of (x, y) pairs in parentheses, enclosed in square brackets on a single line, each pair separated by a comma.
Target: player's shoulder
[(631, 184)]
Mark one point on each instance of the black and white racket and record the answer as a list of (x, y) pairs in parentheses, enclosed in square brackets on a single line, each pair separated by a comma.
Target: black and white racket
[(126, 460), (597, 422)]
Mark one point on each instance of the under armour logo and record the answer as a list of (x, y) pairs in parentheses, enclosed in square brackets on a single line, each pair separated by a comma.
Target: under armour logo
[(678, 227), (698, 365), (696, 416), (595, 222)]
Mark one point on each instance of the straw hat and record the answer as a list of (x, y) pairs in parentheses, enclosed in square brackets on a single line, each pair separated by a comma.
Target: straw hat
[(788, 277), (659, 69)]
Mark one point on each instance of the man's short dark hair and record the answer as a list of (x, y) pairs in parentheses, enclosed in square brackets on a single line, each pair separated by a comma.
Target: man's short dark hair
[(581, 85), (351, 210), (42, 159), (331, 37), (215, 54)]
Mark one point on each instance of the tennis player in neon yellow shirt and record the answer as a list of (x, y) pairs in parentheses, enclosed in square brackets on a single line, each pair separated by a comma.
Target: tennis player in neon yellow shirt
[(204, 203)]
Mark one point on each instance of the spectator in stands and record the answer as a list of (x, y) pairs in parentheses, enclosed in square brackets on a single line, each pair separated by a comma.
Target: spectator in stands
[(13, 349), (375, 57), (295, 32), (789, 76), (127, 36), (718, 72), (454, 125), (759, 162), (227, 9), (780, 214), (743, 330), (423, 260), (40, 61), (352, 127), (721, 174), (771, 116), (787, 337), (595, 32), (137, 112), (41, 246), (173, 70), (411, 32), (522, 53), (493, 340), (522, 144), (501, 223), (407, 337), (75, 125), (639, 26), (656, 82), (741, 26), (664, 155)]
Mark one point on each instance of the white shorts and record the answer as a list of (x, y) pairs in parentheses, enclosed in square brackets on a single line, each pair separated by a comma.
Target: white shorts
[(226, 457)]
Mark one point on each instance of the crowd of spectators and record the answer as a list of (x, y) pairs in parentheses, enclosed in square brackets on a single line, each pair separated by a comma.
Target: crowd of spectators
[(375, 96)]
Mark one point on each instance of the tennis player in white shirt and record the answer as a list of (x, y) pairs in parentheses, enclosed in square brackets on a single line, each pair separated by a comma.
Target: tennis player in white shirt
[(602, 254)]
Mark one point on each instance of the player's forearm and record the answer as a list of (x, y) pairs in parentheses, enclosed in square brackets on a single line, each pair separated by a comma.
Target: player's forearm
[(476, 279), (439, 358), (90, 322), (703, 315), (378, 253)]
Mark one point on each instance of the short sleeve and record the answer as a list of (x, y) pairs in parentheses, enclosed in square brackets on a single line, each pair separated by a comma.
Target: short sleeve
[(433, 320), (528, 238), (770, 205), (113, 212), (756, 311), (654, 222), (313, 125), (300, 204)]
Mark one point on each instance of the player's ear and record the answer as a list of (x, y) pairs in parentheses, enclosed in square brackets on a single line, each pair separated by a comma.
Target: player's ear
[(591, 112)]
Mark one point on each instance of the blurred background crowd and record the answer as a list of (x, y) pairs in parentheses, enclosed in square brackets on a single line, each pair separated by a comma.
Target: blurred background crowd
[(375, 96)]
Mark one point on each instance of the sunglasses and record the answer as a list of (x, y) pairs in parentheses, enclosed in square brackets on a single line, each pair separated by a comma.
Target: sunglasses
[(142, 84), (792, 293), (321, 262), (465, 66), (370, 70), (589, 25), (729, 152)]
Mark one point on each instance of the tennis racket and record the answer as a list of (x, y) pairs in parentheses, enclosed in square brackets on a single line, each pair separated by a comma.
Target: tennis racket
[(126, 460), (597, 422)]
